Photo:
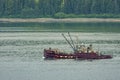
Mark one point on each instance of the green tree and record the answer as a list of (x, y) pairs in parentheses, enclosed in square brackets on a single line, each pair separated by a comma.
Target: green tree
[(112, 7), (2, 7), (95, 7), (42, 8)]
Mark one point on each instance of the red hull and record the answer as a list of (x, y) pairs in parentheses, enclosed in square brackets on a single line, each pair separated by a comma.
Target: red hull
[(49, 54)]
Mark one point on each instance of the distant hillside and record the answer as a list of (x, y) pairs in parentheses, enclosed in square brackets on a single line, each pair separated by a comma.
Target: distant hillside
[(60, 8)]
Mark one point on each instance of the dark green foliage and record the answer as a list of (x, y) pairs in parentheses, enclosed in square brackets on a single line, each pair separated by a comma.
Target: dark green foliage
[(60, 15), (59, 8)]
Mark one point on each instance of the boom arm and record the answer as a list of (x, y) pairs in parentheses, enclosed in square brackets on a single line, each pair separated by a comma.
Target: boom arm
[(71, 40), (68, 42)]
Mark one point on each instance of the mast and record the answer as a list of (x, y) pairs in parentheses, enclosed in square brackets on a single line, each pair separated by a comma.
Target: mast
[(69, 42), (72, 41)]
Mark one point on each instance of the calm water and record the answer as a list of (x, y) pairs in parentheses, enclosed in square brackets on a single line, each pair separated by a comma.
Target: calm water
[(61, 27), (21, 51)]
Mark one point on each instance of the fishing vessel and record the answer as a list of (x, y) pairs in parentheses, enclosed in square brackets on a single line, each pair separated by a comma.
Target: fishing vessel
[(79, 52)]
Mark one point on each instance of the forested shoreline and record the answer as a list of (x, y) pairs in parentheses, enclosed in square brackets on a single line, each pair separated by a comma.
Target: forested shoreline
[(60, 8)]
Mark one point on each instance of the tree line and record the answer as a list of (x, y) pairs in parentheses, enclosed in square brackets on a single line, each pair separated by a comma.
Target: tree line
[(51, 8)]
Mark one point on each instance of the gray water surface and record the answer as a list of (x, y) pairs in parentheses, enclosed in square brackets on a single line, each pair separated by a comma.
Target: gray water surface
[(21, 56)]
